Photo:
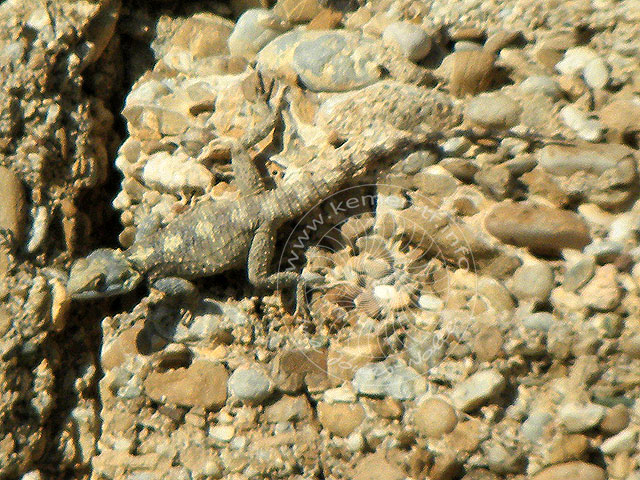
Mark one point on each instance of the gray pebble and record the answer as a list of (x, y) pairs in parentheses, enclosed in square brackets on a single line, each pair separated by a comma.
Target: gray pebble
[(478, 389), (493, 110), (410, 39), (386, 379), (596, 73), (540, 321), (586, 128), (542, 84), (533, 427), (325, 61), (251, 385), (255, 28), (595, 159), (578, 417), (533, 282)]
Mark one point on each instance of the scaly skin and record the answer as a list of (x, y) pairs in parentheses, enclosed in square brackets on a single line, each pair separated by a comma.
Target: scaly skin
[(215, 236)]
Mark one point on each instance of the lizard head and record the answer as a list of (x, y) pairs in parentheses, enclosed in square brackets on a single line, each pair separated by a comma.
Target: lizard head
[(103, 273)]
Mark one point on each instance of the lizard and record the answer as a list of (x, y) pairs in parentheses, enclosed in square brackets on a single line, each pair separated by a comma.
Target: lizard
[(213, 236)]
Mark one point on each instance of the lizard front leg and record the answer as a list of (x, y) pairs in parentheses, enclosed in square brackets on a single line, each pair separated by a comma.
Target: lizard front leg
[(258, 264)]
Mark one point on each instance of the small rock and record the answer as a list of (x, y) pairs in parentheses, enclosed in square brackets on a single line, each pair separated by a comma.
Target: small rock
[(434, 417), (254, 29), (344, 359), (175, 174), (575, 60), (296, 11), (12, 203), (579, 273), (201, 384), (564, 471), (586, 128), (340, 419), (382, 379), (596, 73), (533, 282), (410, 39), (543, 229), (469, 71), (603, 292), (533, 428), (542, 84), (375, 466), (297, 369), (493, 110), (615, 420), (625, 441), (289, 409), (578, 417), (539, 321), (251, 385), (478, 389), (596, 159)]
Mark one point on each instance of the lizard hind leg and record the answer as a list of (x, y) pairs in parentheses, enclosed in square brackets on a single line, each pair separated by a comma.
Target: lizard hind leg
[(259, 261)]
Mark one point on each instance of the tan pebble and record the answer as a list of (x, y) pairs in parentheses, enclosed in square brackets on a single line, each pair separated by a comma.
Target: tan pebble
[(434, 417), (487, 344), (571, 470), (387, 407), (445, 467), (344, 359), (201, 384), (615, 420), (297, 11), (6, 320), (466, 436), (124, 345), (568, 447), (12, 203), (296, 369), (326, 19), (288, 409), (543, 229), (603, 292), (375, 467), (340, 419), (60, 304), (474, 34), (471, 72)]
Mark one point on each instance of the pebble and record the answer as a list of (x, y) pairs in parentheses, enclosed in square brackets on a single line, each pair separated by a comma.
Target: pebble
[(434, 417), (604, 251), (533, 428), (295, 370), (340, 419), (324, 60), (603, 293), (469, 71), (254, 29), (410, 39), (541, 228), (585, 127), (201, 384), (573, 470), (579, 417), (625, 441), (579, 273), (615, 420), (539, 321), (541, 84), (596, 73), (289, 409), (575, 60), (175, 174), (533, 282), (12, 203), (344, 359), (477, 390), (493, 110), (251, 385), (566, 160), (386, 379)]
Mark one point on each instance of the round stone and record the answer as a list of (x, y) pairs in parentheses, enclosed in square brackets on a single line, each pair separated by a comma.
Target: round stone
[(541, 228), (251, 385), (434, 417), (410, 39), (533, 282), (254, 29), (493, 110)]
